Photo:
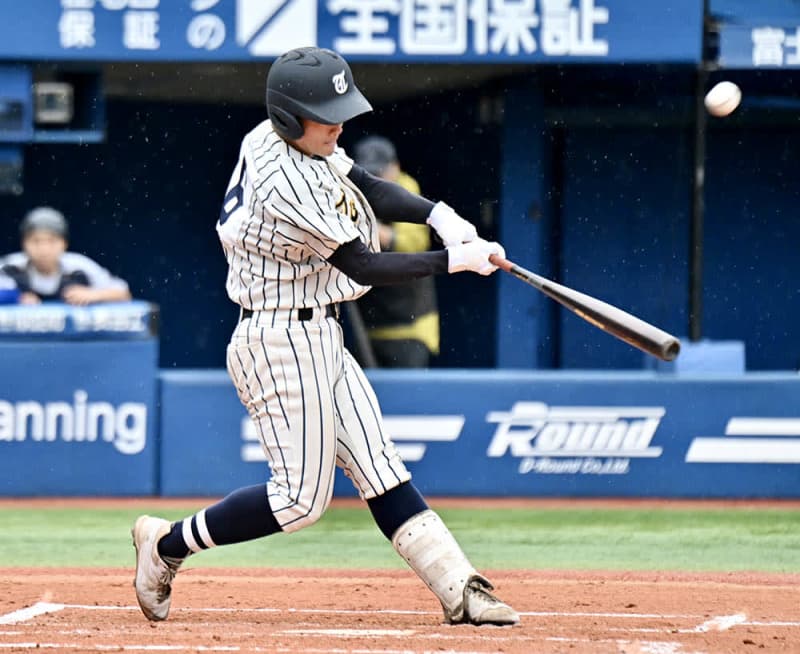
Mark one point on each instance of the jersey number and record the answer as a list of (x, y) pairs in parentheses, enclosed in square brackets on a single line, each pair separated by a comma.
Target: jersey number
[(234, 198)]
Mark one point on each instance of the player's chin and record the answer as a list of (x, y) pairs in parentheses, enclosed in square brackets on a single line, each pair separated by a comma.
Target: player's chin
[(327, 149)]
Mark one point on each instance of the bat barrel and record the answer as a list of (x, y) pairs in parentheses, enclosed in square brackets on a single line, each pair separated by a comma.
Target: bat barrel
[(670, 349), (615, 321)]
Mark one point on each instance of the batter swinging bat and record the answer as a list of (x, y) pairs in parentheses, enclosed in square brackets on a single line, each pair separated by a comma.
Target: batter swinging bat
[(616, 322)]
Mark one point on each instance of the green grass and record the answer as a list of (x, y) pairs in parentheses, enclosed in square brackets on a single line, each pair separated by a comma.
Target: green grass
[(586, 538)]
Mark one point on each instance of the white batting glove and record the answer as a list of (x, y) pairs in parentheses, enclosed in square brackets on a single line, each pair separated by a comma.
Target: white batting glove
[(473, 256), (451, 227)]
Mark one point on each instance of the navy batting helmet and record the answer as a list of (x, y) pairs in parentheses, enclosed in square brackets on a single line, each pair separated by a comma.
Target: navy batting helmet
[(311, 83)]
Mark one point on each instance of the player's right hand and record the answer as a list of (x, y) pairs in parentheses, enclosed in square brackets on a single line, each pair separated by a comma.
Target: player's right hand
[(451, 228), (473, 256)]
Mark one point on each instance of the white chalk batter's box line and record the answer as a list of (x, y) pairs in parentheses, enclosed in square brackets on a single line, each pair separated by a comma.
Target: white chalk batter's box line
[(718, 623), (42, 608), (222, 648), (645, 647)]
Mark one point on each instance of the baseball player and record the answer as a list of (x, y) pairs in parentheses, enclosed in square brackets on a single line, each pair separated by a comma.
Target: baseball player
[(299, 229)]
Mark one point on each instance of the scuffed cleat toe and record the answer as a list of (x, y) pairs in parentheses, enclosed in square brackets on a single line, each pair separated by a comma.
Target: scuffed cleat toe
[(154, 574), (481, 607)]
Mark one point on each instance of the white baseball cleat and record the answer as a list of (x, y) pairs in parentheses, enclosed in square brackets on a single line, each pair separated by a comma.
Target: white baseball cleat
[(481, 607), (154, 574)]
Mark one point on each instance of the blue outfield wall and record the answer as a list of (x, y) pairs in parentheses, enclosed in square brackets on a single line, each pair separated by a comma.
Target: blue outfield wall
[(509, 433), (70, 425)]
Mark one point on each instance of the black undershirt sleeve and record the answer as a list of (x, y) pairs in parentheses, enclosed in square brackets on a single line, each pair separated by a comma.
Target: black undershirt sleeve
[(385, 268), (390, 202)]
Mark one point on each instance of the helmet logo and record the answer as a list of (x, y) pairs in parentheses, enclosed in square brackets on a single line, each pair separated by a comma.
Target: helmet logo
[(339, 83)]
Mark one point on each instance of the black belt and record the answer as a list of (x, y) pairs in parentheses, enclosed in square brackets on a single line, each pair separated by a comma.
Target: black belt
[(331, 311)]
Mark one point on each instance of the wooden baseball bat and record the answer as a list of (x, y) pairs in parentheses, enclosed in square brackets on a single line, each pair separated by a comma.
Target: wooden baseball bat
[(616, 322)]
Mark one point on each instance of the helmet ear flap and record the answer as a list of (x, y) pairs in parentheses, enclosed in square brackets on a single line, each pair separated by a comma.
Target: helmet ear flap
[(286, 124)]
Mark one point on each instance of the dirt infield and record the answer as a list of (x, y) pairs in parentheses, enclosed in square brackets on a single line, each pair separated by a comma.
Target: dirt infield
[(390, 612)]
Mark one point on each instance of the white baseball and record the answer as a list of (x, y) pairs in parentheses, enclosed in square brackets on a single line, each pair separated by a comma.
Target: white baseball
[(723, 99)]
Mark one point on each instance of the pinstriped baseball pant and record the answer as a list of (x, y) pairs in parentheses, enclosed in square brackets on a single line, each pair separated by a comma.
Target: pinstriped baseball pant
[(313, 409)]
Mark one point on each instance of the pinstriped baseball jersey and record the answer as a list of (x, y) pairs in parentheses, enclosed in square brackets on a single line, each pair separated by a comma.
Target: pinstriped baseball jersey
[(283, 215)]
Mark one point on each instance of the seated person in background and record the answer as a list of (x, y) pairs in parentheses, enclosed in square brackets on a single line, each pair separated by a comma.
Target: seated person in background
[(402, 320), (45, 271)]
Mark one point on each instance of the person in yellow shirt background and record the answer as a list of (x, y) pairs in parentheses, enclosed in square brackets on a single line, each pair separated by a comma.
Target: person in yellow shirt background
[(402, 320)]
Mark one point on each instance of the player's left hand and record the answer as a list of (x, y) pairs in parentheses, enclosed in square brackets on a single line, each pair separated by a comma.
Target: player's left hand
[(473, 256), (78, 295), (451, 228)]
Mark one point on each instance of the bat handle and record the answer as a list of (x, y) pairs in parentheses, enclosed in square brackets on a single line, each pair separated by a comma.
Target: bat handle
[(500, 262)]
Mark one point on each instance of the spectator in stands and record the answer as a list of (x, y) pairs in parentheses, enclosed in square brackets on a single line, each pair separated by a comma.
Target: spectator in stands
[(402, 320), (45, 271)]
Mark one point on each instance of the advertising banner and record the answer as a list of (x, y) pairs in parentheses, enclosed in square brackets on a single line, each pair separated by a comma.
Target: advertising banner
[(78, 418), (760, 34), (368, 30), (760, 46), (495, 433), (58, 321)]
